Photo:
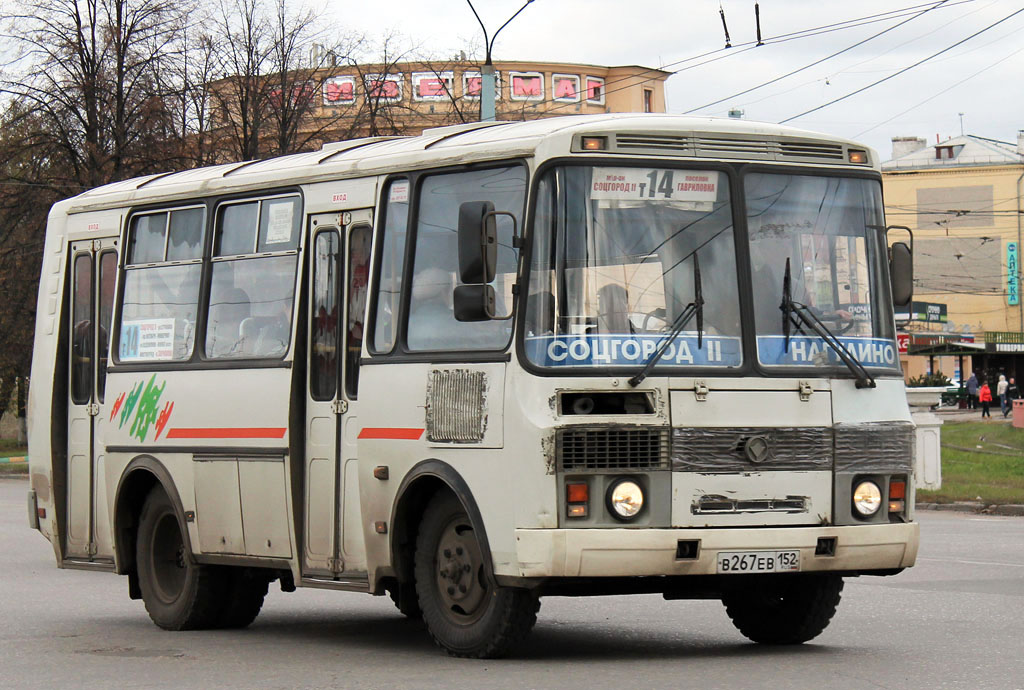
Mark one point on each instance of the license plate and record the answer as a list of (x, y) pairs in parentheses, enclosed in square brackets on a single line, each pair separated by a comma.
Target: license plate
[(758, 562)]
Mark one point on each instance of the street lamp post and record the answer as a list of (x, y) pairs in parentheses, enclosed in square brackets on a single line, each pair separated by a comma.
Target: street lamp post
[(487, 86)]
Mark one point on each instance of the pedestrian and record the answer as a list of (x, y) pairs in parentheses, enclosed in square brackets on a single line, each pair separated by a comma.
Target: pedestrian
[(1012, 393), (1001, 392), (985, 396), (972, 392)]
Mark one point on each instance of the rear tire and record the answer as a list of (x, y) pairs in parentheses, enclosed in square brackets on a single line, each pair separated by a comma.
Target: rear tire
[(245, 590), (466, 614), (179, 594), (789, 610)]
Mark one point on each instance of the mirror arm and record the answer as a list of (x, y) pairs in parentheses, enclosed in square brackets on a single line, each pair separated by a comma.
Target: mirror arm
[(516, 243)]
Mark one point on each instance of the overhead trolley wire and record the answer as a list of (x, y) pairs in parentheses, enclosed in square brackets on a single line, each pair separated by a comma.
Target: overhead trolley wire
[(937, 94), (750, 45), (818, 62), (905, 69)]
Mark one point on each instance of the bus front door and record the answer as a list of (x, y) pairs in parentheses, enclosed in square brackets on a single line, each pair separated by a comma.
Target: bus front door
[(332, 531), (93, 272)]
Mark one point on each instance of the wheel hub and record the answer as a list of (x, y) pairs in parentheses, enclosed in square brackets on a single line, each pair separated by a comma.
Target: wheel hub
[(459, 571)]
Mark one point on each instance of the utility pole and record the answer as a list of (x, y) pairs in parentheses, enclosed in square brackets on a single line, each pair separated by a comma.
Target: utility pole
[(487, 86)]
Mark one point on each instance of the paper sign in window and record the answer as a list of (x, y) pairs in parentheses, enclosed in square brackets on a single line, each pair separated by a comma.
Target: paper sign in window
[(147, 339), (279, 223)]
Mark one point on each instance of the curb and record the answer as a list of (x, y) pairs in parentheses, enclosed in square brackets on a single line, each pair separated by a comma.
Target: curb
[(1010, 509), (14, 460)]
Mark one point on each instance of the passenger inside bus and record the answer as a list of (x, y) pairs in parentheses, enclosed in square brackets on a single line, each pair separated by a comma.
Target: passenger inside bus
[(430, 312), (613, 309)]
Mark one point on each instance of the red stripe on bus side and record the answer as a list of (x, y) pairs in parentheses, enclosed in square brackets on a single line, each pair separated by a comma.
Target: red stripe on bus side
[(236, 432), (394, 434)]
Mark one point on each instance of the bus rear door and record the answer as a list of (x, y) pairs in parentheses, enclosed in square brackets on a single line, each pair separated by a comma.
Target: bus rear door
[(93, 275)]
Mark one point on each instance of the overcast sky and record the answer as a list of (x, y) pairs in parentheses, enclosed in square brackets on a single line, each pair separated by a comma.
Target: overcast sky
[(657, 33)]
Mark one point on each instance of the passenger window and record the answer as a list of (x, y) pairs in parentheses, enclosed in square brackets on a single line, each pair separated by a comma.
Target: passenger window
[(236, 229), (158, 314), (108, 273), (392, 261), (81, 337), (358, 277), (323, 341), (432, 324), (148, 237), (251, 297), (186, 235)]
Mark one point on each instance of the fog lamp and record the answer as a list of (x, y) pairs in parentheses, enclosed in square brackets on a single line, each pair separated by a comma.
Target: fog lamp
[(867, 498), (625, 499)]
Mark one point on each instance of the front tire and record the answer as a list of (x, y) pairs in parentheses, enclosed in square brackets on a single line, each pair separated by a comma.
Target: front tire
[(466, 614), (179, 594), (791, 609)]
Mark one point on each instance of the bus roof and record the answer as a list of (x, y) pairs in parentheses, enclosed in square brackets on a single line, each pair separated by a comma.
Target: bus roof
[(676, 135)]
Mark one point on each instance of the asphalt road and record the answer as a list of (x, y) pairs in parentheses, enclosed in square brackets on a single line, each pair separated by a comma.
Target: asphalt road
[(956, 620)]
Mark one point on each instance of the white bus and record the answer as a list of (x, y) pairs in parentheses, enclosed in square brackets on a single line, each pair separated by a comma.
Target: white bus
[(494, 362)]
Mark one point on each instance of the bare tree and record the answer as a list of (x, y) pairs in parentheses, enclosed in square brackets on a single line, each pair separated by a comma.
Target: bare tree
[(89, 69)]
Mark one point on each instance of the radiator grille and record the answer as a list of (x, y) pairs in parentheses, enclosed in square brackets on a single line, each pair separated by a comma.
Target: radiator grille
[(456, 402), (879, 447), (612, 449), (726, 449), (875, 447)]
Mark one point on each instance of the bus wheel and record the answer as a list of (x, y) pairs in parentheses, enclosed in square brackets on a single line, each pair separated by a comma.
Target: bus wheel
[(465, 614), (243, 599), (790, 610), (178, 593)]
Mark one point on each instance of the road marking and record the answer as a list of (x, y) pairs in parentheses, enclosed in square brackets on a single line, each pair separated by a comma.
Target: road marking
[(957, 560)]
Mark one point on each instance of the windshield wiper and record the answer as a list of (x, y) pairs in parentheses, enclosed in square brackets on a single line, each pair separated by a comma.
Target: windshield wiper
[(693, 309), (796, 314)]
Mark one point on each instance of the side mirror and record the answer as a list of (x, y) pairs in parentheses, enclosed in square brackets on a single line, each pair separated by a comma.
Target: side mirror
[(478, 242), (901, 273)]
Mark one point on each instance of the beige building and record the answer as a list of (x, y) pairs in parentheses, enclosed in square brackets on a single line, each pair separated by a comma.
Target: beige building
[(962, 200), (403, 98)]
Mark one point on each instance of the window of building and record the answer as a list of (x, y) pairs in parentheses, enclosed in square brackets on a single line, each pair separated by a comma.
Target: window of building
[(648, 101), (253, 279), (161, 285)]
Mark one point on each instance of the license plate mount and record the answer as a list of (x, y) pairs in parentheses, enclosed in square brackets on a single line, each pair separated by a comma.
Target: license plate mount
[(745, 562)]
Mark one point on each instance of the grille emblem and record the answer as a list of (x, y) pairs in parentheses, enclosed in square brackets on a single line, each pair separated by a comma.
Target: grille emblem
[(758, 449)]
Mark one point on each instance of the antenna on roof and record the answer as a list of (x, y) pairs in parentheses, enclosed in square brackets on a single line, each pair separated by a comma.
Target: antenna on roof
[(757, 20), (725, 27)]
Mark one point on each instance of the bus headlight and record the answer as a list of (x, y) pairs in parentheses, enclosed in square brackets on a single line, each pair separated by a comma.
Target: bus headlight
[(625, 499), (867, 498)]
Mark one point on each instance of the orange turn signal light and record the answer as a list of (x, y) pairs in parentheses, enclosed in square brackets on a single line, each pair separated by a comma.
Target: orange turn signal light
[(576, 493), (858, 156), (594, 143), (897, 489)]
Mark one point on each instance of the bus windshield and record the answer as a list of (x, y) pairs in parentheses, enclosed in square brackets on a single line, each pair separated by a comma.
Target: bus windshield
[(829, 231), (613, 268)]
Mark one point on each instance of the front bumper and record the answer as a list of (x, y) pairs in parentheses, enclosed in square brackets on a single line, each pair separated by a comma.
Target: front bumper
[(645, 552)]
